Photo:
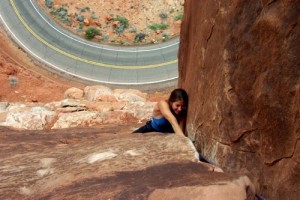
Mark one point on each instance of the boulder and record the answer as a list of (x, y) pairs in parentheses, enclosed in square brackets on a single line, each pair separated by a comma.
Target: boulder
[(99, 93), (3, 106), (130, 95), (140, 110), (35, 119), (73, 93)]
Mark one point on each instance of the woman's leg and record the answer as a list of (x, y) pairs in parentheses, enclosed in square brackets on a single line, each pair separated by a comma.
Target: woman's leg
[(146, 128)]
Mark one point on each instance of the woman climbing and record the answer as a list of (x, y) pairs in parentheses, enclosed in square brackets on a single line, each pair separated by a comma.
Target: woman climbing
[(169, 116)]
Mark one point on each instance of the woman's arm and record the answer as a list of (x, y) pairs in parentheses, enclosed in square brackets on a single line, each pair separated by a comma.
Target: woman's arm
[(166, 112), (182, 124)]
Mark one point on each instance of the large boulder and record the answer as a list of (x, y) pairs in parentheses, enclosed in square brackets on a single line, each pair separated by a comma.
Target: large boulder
[(99, 93), (110, 163), (37, 118), (130, 95), (73, 93), (239, 62)]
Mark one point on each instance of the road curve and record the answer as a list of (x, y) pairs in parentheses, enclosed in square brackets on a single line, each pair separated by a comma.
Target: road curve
[(42, 38)]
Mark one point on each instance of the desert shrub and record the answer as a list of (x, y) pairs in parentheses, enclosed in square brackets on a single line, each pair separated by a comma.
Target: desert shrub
[(163, 15), (66, 19), (80, 18), (120, 29), (155, 26), (132, 30), (13, 81), (62, 12), (81, 25), (178, 17), (123, 24), (122, 20), (49, 3), (94, 16), (91, 32), (105, 38), (165, 36), (121, 42), (85, 9), (139, 37)]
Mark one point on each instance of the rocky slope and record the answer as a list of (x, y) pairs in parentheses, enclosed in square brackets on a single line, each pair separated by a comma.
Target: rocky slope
[(239, 62), (109, 163)]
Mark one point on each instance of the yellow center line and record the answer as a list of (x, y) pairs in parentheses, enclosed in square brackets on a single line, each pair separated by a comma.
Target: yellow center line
[(81, 59)]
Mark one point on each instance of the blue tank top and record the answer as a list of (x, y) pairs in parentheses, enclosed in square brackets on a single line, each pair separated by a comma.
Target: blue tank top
[(161, 125)]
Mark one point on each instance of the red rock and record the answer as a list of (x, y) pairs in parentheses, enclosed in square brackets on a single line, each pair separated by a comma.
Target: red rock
[(108, 162), (86, 22), (239, 62)]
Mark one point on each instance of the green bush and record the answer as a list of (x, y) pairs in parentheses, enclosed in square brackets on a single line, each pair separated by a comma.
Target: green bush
[(165, 36), (66, 19), (81, 25), (91, 32), (139, 37), (163, 15), (61, 13), (49, 3), (80, 18), (85, 9), (178, 17), (94, 16), (105, 38), (13, 81), (155, 26), (122, 20), (132, 30), (120, 29)]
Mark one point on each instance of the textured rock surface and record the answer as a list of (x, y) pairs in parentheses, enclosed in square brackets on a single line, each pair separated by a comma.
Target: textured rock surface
[(95, 105), (109, 163), (240, 63)]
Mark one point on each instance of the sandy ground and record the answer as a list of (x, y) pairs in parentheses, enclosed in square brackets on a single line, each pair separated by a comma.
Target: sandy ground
[(22, 80), (100, 14)]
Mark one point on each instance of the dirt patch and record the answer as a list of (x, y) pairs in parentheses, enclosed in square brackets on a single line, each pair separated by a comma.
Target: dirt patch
[(121, 22), (23, 80)]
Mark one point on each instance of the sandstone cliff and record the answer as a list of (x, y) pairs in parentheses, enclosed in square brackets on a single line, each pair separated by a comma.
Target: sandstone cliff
[(239, 62)]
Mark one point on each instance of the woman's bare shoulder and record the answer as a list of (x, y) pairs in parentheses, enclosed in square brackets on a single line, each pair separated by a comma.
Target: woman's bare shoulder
[(157, 110), (162, 102)]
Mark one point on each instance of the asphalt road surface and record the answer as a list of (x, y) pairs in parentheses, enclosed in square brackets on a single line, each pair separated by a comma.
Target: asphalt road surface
[(75, 57)]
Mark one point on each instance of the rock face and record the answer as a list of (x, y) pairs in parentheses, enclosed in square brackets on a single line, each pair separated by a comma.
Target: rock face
[(240, 64), (110, 163)]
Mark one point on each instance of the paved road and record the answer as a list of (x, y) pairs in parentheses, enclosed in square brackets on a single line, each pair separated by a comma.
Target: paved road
[(74, 56)]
